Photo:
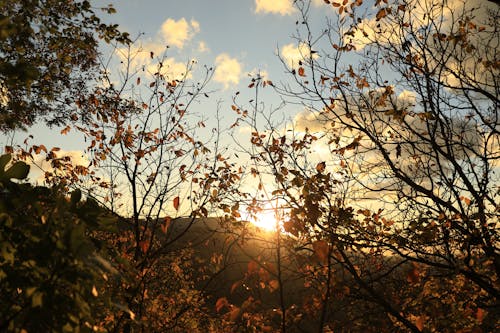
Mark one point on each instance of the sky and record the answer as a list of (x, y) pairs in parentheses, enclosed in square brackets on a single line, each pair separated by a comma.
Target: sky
[(238, 38)]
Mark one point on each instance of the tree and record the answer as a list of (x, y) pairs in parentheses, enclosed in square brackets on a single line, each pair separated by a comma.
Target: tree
[(405, 99), (53, 268), (48, 59), (155, 167)]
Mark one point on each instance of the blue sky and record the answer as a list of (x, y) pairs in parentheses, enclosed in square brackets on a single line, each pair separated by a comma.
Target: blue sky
[(235, 37)]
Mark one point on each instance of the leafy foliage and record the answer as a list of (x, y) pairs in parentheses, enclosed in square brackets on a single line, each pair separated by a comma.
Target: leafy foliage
[(48, 57), (52, 268)]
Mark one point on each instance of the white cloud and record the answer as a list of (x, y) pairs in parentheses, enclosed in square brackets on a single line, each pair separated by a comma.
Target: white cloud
[(293, 54), (177, 33), (228, 70), (282, 7), (202, 47), (39, 164), (388, 30), (262, 73), (140, 57), (318, 3)]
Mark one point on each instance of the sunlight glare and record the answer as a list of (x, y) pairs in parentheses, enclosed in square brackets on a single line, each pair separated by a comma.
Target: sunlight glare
[(264, 219)]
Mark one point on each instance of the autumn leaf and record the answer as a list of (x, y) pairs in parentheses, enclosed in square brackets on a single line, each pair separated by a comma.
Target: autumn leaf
[(413, 275), (221, 303), (466, 200), (480, 314), (420, 323), (144, 246), (320, 167), (302, 71), (65, 130), (273, 285), (176, 203), (234, 314), (321, 250), (381, 14), (235, 285), (166, 223), (253, 267)]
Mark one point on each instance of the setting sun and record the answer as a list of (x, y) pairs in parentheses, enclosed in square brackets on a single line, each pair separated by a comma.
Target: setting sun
[(264, 219)]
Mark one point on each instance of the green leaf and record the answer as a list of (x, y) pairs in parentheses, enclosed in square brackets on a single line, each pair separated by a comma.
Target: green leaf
[(76, 196), (18, 170), (4, 159)]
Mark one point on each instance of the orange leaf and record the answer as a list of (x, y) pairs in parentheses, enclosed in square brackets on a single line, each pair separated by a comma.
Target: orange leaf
[(176, 203), (381, 14), (274, 285), (321, 167), (253, 267), (144, 246), (302, 71), (235, 285), (420, 323), (413, 275), (234, 314), (480, 314), (165, 224), (466, 200), (65, 130), (221, 303)]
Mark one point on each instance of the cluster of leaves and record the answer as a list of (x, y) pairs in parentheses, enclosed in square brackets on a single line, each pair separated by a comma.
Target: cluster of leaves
[(48, 53), (52, 269)]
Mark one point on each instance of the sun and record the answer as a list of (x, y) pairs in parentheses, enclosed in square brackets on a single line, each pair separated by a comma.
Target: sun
[(265, 219)]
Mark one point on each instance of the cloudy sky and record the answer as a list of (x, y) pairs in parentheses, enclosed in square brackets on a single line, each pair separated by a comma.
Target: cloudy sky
[(239, 38)]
